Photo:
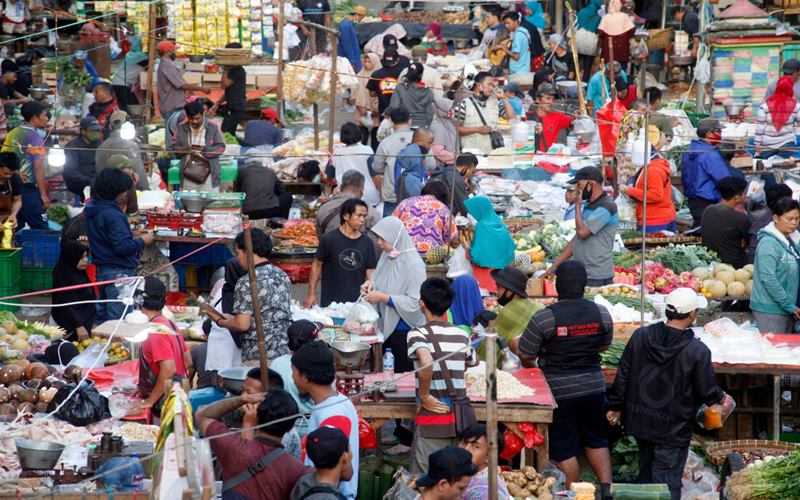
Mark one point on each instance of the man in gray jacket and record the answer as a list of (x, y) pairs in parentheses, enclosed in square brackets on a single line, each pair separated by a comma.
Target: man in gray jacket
[(116, 145), (198, 135)]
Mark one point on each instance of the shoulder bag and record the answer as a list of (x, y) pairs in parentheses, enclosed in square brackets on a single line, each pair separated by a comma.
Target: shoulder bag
[(196, 168), (494, 135)]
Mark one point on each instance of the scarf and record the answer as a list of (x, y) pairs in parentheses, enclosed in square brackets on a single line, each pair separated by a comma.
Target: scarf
[(492, 246), (782, 103), (511, 321), (363, 99), (588, 18), (467, 302), (400, 276), (437, 30), (537, 15), (615, 22)]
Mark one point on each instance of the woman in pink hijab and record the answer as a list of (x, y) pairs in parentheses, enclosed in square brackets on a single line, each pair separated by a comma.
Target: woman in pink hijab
[(615, 30)]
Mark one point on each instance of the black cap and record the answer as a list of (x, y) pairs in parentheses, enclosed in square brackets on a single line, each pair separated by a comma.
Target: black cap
[(546, 89), (389, 41), (90, 123), (325, 446), (60, 353), (154, 288), (620, 84), (448, 463), (587, 174), (303, 331), (790, 66), (315, 356), (706, 125), (511, 278), (390, 55)]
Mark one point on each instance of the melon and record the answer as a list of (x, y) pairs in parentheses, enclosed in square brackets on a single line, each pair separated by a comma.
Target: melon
[(717, 289), (742, 275), (750, 269), (701, 273), (736, 289), (707, 283), (749, 287), (722, 267), (726, 277)]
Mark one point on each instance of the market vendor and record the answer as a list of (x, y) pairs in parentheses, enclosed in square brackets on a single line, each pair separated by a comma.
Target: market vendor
[(560, 59), (352, 186), (516, 308), (550, 123), (477, 115), (475, 439), (266, 131), (78, 318), (199, 144), (234, 98), (492, 246), (449, 474), (11, 98), (345, 258), (126, 79), (265, 195), (171, 88), (566, 339), (79, 167), (595, 229), (778, 122), (10, 188), (300, 333), (428, 220), (82, 64), (725, 229), (115, 144), (662, 420), (104, 104), (163, 355)]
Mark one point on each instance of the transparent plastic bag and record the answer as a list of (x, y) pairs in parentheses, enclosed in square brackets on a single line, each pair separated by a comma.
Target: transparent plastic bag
[(362, 319), (755, 191), (87, 358), (457, 264), (626, 209)]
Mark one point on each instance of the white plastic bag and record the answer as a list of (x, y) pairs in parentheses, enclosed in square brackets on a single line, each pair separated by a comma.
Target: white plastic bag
[(362, 319), (626, 210), (457, 264), (87, 358)]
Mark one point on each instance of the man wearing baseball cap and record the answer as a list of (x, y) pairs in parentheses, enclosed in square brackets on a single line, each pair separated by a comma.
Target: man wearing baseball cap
[(329, 449), (664, 375), (115, 145), (791, 67), (383, 81), (596, 222), (79, 167), (265, 131), (170, 84), (449, 472)]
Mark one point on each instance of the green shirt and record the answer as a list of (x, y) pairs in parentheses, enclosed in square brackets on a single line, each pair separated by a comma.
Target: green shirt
[(511, 321)]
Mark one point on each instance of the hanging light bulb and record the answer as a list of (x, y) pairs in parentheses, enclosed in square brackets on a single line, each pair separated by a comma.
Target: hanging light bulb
[(56, 156), (127, 131)]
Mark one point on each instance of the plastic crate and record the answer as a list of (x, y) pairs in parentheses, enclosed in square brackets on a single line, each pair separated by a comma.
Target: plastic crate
[(6, 291), (40, 248), (10, 263), (213, 255), (35, 279)]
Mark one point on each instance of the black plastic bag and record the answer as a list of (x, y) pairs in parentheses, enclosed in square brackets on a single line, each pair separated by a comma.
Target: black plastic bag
[(85, 407)]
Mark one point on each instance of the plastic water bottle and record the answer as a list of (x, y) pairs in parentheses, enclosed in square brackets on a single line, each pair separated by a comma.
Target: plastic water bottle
[(388, 365), (572, 142), (295, 213)]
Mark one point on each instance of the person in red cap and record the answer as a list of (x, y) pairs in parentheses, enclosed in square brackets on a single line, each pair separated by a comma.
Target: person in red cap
[(266, 131), (170, 85)]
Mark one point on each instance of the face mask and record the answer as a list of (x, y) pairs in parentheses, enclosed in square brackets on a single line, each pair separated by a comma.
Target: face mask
[(505, 298), (394, 252), (587, 193), (423, 150), (93, 136), (173, 55), (714, 137)]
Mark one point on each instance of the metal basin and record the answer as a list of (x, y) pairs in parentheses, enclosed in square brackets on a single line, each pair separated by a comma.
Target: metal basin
[(233, 378), (735, 109), (194, 203), (350, 354), (38, 455), (39, 93)]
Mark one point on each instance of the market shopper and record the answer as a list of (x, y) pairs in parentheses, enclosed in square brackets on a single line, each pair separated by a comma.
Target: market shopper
[(570, 196), (467, 302), (660, 356), (428, 220), (595, 228), (588, 20), (411, 94), (114, 249), (125, 80), (265, 195), (790, 68), (27, 144), (475, 440), (105, 103), (274, 294), (566, 339), (300, 333), (519, 54), (439, 385), (449, 473), (410, 170), (774, 299), (598, 91), (348, 46), (253, 468), (778, 122), (702, 167), (383, 80), (115, 144), (355, 156), (550, 123), (477, 115), (79, 167), (660, 209), (366, 113), (461, 175), (11, 187), (234, 98), (170, 85), (313, 372), (386, 156), (70, 271), (164, 354), (329, 449), (394, 288), (345, 258), (762, 217), (125, 164), (199, 144), (352, 186), (492, 245), (614, 34), (223, 345), (725, 229), (266, 131)]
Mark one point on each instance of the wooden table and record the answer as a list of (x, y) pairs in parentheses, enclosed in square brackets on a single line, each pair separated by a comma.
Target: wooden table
[(401, 404), (128, 330)]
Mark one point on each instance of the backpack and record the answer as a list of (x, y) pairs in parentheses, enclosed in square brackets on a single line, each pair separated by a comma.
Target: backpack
[(323, 488)]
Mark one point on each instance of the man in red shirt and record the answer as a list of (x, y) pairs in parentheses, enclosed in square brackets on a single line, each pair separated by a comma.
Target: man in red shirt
[(259, 467), (163, 355), (549, 123), (625, 93)]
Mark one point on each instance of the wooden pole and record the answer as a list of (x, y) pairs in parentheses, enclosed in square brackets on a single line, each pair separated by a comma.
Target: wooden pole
[(151, 59), (491, 410), (578, 76), (332, 114), (642, 288), (251, 273), (315, 107), (279, 48)]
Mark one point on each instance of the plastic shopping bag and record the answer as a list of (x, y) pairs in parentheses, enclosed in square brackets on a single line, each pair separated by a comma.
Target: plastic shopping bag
[(457, 264)]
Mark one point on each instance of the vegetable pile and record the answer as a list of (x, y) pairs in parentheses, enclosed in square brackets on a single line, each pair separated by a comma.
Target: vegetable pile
[(723, 280), (58, 214), (527, 483), (611, 356), (548, 238), (660, 279), (684, 258), (771, 479)]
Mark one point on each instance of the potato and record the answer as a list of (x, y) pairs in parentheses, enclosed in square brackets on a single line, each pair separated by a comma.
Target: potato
[(529, 472), (515, 490)]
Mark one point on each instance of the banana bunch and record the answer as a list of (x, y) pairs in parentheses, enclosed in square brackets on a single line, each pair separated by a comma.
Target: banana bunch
[(175, 400)]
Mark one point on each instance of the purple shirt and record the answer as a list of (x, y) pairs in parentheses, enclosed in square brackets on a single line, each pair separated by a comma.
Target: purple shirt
[(26, 143)]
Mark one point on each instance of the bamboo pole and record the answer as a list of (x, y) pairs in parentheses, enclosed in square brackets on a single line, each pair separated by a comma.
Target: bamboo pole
[(279, 48), (642, 288), (332, 113), (578, 79), (251, 274), (151, 59), (491, 410)]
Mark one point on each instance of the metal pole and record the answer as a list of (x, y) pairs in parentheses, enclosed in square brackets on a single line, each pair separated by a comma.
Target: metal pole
[(251, 273), (280, 60), (776, 408), (151, 59), (663, 14), (642, 288), (332, 114), (559, 16), (315, 107), (491, 409)]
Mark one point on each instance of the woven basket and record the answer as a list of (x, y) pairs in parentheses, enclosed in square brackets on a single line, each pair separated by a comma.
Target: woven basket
[(659, 38), (232, 57), (717, 452), (517, 224)]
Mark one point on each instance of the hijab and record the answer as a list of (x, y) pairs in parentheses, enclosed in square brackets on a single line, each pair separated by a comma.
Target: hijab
[(588, 18), (437, 30), (399, 274), (66, 273), (363, 99), (570, 280), (443, 128), (492, 246), (782, 103), (467, 302), (375, 44), (537, 15), (615, 22)]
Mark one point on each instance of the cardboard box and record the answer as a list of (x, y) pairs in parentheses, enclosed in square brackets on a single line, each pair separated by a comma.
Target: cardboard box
[(266, 81), (212, 77), (193, 78), (199, 67)]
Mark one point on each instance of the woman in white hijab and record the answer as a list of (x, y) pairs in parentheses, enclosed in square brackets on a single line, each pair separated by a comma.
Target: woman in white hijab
[(394, 288), (376, 44)]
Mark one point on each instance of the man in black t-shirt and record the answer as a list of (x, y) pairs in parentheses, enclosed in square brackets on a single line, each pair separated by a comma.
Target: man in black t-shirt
[(561, 61), (345, 258), (234, 81), (317, 12), (725, 229), (10, 188), (383, 81), (10, 97)]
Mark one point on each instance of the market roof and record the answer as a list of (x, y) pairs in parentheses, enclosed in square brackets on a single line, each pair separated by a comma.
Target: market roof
[(742, 8)]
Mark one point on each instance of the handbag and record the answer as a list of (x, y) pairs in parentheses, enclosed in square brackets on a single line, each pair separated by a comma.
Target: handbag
[(463, 415), (585, 42), (495, 136), (196, 168)]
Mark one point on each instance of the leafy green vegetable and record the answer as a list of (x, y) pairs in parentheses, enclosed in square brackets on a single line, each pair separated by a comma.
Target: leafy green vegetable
[(683, 258), (230, 138), (58, 214), (770, 479), (67, 71), (625, 458), (611, 356), (7, 316)]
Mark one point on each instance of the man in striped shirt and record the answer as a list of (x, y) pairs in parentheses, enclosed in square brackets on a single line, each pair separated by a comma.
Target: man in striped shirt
[(435, 418), (567, 338)]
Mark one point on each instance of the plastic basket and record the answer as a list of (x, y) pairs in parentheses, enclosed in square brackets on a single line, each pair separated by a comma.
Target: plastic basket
[(6, 291), (35, 279), (10, 263), (215, 254), (40, 248)]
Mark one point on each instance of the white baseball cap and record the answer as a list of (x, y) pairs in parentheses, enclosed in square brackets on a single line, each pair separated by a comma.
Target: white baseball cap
[(685, 300)]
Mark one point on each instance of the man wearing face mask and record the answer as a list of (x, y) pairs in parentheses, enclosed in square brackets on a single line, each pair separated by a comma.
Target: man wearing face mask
[(702, 166), (461, 175), (170, 84), (659, 356), (79, 168), (596, 222), (115, 144), (477, 115)]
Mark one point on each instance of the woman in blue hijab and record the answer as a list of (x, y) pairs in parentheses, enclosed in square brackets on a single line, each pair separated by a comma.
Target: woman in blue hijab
[(492, 246), (535, 15), (467, 302)]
